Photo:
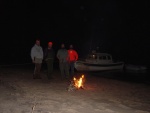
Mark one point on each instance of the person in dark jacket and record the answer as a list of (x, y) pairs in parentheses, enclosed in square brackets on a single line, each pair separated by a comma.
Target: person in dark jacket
[(63, 57), (49, 58)]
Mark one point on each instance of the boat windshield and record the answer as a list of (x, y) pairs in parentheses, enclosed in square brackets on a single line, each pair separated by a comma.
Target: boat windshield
[(92, 56)]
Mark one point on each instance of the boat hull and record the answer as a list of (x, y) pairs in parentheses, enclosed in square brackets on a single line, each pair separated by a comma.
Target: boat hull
[(135, 68), (83, 66)]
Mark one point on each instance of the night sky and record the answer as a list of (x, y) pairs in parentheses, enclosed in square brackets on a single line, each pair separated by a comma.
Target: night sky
[(119, 28)]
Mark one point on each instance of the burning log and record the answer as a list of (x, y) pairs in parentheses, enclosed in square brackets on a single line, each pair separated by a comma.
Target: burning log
[(71, 87), (76, 83)]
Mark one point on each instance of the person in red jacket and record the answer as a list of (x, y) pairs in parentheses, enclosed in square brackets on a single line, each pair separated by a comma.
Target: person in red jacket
[(73, 57)]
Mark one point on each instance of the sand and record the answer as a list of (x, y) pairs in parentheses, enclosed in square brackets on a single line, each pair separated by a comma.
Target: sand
[(19, 93)]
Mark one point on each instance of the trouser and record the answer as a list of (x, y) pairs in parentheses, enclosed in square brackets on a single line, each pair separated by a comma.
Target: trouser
[(49, 68), (64, 69), (37, 70), (71, 67)]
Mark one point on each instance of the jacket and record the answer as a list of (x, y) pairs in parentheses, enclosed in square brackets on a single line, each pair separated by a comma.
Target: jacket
[(36, 52), (73, 56), (62, 55), (49, 53)]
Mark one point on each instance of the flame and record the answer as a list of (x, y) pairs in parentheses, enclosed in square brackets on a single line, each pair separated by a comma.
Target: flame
[(78, 82)]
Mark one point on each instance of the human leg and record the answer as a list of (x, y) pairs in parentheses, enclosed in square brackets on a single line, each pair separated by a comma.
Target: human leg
[(38, 70), (66, 68), (35, 75), (49, 69), (71, 69), (61, 66)]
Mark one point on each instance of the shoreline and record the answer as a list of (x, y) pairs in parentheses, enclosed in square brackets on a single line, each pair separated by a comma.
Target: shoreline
[(19, 92)]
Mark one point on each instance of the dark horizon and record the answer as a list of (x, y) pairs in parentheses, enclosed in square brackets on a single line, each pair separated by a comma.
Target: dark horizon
[(118, 28)]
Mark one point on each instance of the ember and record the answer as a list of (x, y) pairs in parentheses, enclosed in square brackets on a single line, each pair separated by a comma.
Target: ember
[(76, 83)]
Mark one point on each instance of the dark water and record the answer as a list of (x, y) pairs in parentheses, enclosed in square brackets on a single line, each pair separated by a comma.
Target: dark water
[(120, 75), (124, 75)]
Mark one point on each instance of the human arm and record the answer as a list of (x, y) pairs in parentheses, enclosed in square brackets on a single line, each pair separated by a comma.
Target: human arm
[(32, 54), (58, 54), (76, 56)]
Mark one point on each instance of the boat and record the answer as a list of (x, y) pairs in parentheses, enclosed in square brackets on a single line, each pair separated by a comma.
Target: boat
[(135, 68), (98, 62)]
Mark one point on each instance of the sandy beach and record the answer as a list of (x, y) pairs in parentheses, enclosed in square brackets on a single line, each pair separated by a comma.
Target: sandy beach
[(22, 94)]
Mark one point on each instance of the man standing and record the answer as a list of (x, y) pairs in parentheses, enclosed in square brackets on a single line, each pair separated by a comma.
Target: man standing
[(37, 57), (73, 57), (63, 57), (49, 58)]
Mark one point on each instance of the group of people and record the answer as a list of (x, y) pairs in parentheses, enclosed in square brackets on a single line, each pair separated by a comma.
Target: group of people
[(66, 59)]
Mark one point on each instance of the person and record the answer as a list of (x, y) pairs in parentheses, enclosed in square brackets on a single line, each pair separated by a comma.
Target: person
[(49, 58), (73, 57), (37, 57), (63, 57)]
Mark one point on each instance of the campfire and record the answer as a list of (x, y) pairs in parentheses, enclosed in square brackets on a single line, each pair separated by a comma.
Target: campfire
[(77, 83)]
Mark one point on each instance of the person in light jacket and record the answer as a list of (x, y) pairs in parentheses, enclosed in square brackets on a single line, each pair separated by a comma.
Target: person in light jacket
[(37, 57)]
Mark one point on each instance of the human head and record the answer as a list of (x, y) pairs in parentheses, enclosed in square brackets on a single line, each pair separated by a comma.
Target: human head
[(62, 45), (71, 46), (37, 42), (50, 44)]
